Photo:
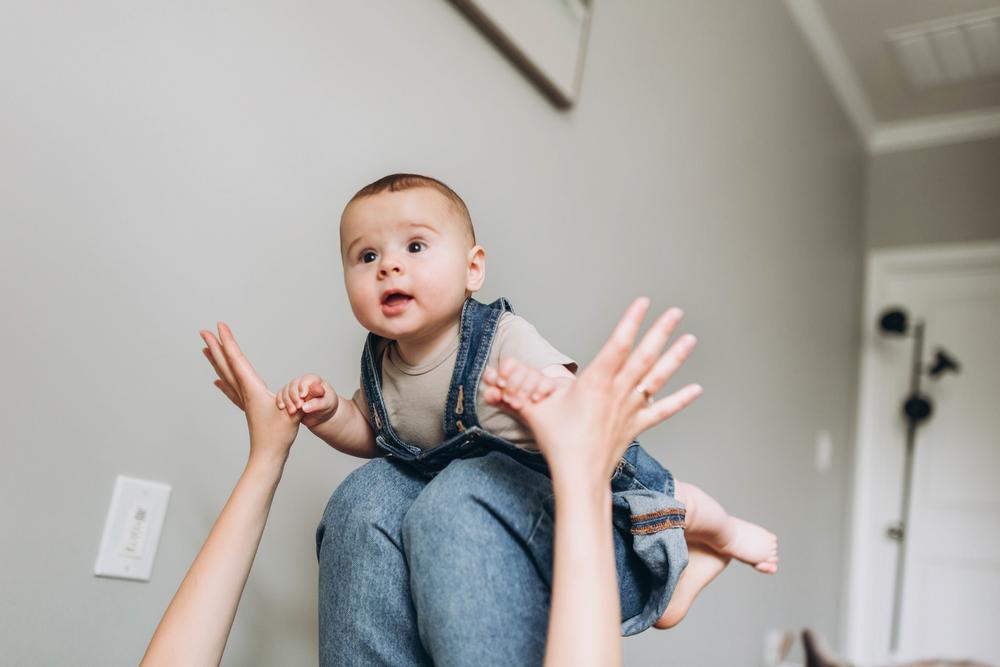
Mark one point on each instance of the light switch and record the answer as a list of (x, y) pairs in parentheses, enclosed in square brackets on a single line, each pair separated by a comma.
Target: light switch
[(132, 529), (136, 529), (824, 450)]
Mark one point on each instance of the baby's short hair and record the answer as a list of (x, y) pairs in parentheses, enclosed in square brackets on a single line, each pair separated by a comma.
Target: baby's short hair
[(398, 182)]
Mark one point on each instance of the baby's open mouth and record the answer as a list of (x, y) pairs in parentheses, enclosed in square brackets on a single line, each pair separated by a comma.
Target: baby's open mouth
[(395, 298)]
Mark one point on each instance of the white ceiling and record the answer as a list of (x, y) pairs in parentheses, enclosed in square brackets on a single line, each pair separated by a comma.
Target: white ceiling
[(851, 39)]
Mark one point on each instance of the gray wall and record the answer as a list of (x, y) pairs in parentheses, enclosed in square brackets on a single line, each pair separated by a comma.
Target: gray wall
[(942, 194), (166, 165)]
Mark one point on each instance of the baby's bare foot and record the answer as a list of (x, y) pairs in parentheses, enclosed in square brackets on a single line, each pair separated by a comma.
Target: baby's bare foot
[(703, 566), (753, 545)]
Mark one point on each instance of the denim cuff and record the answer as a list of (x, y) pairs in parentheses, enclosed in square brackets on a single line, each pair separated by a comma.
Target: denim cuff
[(654, 523)]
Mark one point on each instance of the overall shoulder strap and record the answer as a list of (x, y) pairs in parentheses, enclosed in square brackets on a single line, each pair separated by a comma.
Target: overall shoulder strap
[(371, 379), (477, 331)]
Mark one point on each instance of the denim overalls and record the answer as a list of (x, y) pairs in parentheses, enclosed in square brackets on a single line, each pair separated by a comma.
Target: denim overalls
[(650, 550)]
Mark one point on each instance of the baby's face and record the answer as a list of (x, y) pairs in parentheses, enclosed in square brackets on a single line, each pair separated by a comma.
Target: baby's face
[(408, 262)]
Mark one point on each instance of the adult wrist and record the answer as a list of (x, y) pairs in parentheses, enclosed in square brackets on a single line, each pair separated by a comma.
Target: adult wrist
[(583, 486), (270, 464)]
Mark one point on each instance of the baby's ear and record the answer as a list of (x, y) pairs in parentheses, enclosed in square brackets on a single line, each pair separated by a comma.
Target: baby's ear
[(476, 274)]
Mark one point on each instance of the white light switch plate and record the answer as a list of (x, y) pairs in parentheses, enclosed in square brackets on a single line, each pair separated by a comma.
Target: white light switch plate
[(132, 529), (824, 450)]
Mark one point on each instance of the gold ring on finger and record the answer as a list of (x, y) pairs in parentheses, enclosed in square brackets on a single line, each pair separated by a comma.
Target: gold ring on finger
[(645, 393)]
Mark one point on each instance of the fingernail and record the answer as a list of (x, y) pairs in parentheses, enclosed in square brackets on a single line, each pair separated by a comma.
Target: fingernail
[(501, 382)]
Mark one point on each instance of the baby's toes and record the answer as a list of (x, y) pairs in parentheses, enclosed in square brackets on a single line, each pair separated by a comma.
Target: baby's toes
[(767, 567), (770, 565)]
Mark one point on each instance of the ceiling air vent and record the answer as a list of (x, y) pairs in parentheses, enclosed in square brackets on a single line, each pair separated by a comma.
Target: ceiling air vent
[(956, 49)]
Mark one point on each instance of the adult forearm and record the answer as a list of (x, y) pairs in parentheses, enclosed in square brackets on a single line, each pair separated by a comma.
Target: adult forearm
[(196, 625), (585, 614), (348, 431)]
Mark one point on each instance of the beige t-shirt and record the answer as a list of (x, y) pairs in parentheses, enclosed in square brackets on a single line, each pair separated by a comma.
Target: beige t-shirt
[(415, 395)]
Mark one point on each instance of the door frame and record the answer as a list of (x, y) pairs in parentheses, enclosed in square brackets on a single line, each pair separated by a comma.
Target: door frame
[(866, 639)]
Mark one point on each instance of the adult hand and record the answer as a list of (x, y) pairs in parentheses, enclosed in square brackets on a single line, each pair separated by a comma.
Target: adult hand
[(584, 428), (195, 627), (272, 431)]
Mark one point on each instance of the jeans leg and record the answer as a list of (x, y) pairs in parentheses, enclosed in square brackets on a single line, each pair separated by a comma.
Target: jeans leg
[(479, 544), (366, 616)]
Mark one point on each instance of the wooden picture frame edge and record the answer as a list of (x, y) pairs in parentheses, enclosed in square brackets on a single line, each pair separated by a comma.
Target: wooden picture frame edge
[(491, 31)]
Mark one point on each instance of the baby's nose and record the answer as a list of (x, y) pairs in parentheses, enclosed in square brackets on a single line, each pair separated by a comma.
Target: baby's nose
[(390, 265)]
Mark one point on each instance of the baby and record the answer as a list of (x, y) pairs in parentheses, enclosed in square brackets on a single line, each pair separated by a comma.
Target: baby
[(411, 264)]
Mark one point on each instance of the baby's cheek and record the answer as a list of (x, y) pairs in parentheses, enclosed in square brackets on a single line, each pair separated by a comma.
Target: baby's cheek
[(363, 305)]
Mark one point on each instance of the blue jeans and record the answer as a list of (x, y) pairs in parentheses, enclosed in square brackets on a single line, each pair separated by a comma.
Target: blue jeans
[(449, 570), (650, 551)]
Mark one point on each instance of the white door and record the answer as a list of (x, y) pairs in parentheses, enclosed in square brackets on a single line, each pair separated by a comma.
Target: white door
[(951, 592)]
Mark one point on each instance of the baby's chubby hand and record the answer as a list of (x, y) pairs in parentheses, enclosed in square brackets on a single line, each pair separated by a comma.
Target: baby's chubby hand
[(514, 385), (311, 395)]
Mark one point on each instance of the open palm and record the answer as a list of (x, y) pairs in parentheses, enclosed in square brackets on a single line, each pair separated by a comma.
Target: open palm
[(587, 425), (272, 431)]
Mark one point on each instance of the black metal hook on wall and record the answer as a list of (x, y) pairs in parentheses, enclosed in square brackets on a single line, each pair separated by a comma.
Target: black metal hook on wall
[(917, 409)]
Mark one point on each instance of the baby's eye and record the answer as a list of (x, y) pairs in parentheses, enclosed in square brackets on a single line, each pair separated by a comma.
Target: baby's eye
[(416, 246), (368, 256)]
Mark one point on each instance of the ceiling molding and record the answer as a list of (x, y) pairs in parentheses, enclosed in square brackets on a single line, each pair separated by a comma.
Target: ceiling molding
[(846, 86), (934, 131), (882, 137)]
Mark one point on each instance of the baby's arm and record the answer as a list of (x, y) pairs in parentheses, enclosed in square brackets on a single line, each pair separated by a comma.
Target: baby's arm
[(334, 419)]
